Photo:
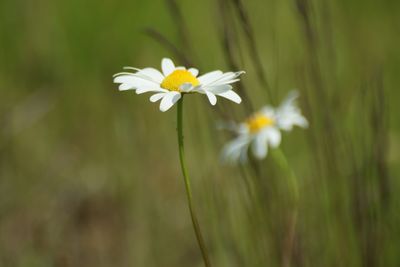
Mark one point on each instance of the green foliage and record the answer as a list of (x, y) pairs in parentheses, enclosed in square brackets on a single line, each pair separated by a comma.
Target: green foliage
[(89, 176)]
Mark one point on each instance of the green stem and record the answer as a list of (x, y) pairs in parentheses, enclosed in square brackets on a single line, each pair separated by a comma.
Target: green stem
[(284, 164), (289, 242), (195, 223)]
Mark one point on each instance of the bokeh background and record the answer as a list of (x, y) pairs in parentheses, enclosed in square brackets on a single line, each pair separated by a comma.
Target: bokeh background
[(89, 176)]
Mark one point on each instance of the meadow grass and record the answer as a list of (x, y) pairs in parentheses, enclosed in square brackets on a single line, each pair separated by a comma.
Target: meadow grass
[(90, 176)]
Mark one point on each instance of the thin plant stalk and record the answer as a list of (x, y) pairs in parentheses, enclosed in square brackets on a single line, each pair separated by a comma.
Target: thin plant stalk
[(195, 222), (292, 224)]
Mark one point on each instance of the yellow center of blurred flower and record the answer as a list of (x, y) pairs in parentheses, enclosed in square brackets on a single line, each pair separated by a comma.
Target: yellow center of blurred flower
[(177, 78), (258, 121)]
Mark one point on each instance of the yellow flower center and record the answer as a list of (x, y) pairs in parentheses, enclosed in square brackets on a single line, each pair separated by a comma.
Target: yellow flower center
[(258, 121), (174, 81)]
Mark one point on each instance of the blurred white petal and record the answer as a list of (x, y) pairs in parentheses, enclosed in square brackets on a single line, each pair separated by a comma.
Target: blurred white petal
[(274, 136), (268, 111), (260, 145), (289, 114), (236, 150)]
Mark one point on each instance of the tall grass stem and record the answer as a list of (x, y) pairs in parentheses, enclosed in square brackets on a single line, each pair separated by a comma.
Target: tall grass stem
[(292, 224)]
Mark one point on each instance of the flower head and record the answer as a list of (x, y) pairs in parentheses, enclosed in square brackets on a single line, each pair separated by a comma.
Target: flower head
[(263, 129), (172, 82)]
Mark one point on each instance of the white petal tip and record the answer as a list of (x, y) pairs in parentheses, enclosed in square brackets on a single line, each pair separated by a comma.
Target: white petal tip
[(162, 109)]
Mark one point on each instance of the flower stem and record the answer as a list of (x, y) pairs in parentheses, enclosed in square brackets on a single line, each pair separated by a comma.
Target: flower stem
[(195, 223), (284, 164), (292, 224)]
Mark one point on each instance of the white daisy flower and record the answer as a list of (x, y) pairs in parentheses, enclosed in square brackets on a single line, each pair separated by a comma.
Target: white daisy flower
[(263, 129), (172, 82)]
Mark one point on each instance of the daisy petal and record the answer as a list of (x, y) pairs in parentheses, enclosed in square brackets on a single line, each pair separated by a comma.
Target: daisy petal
[(286, 121), (226, 78), (186, 87), (194, 71), (210, 77), (130, 81), (289, 115), (260, 145), (291, 97), (274, 136), (226, 82), (169, 100), (219, 89), (153, 74), (301, 121), (126, 82), (198, 89), (268, 111), (124, 79), (212, 98), (236, 150), (156, 97), (143, 90), (231, 95), (126, 86), (167, 66)]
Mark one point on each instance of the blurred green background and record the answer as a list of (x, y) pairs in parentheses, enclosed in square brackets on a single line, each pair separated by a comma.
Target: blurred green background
[(89, 176)]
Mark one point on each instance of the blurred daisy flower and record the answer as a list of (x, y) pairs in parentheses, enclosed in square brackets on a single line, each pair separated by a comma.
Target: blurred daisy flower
[(169, 85), (263, 129)]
